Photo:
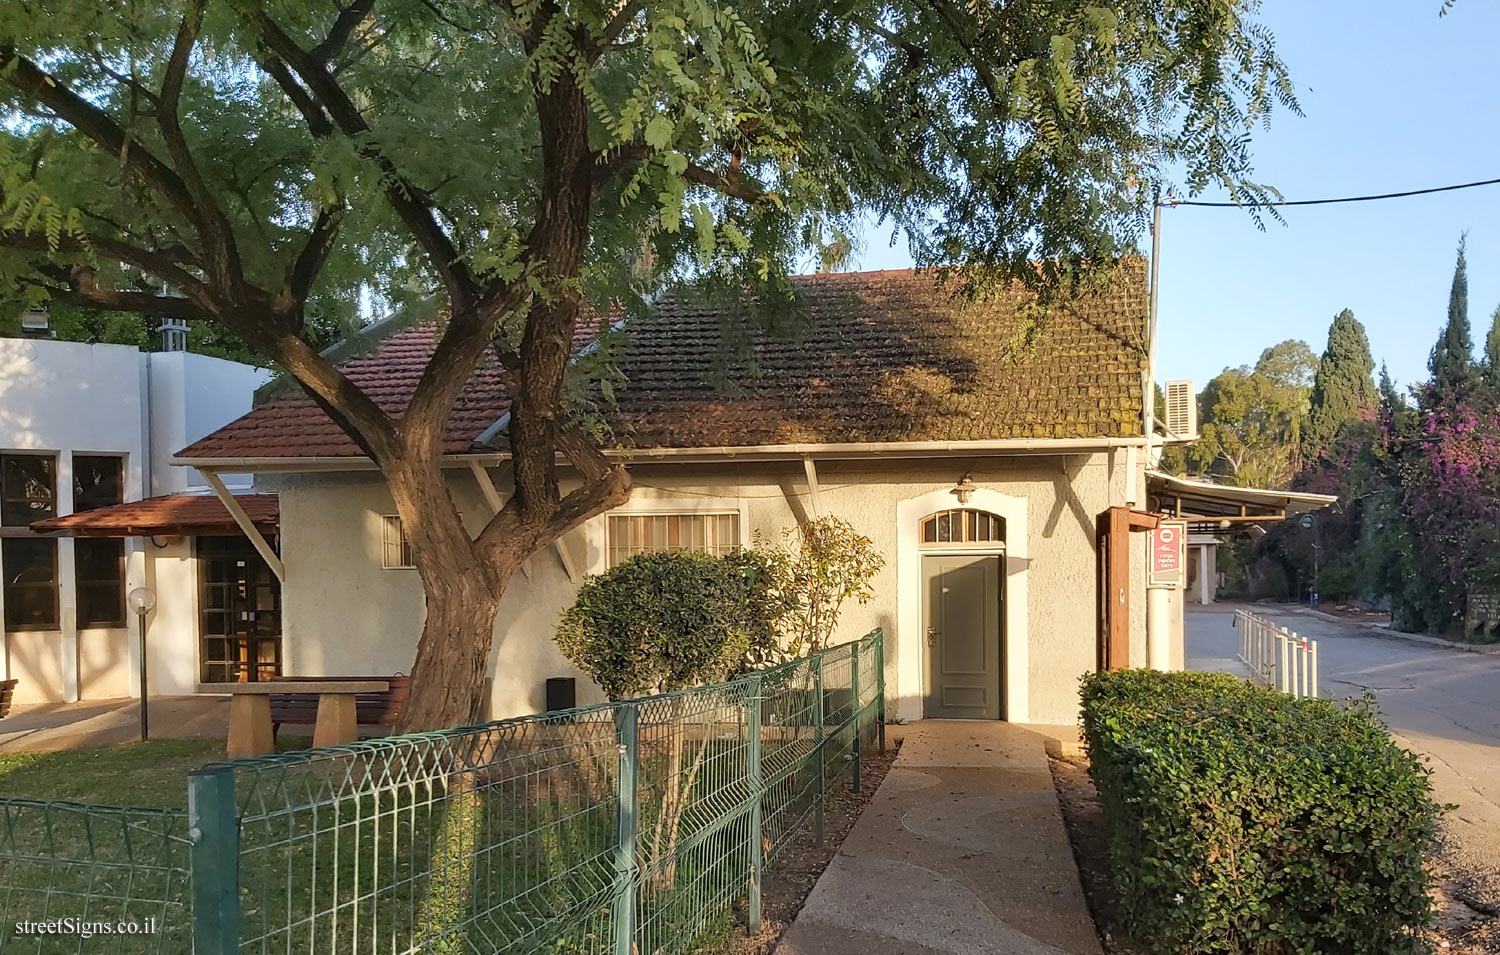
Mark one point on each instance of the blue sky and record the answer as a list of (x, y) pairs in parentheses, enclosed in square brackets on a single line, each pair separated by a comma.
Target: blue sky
[(1395, 98)]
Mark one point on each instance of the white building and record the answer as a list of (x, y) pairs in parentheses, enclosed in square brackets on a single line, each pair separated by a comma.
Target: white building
[(85, 427)]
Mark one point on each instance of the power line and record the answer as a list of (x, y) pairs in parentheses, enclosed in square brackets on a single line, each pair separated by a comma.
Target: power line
[(1327, 202)]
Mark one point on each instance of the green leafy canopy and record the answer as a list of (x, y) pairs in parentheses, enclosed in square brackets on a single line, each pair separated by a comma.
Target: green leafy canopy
[(733, 139)]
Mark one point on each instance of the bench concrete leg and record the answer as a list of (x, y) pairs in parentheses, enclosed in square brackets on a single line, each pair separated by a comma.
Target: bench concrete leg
[(337, 720), (250, 725)]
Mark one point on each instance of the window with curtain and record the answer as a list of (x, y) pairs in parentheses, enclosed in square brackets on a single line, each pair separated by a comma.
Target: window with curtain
[(631, 534)]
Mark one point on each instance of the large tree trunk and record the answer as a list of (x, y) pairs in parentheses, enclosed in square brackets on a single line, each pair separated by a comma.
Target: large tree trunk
[(453, 654)]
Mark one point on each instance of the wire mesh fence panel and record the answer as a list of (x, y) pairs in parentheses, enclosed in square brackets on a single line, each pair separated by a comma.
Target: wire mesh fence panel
[(789, 740), (78, 878), (694, 797), (497, 838), (619, 829)]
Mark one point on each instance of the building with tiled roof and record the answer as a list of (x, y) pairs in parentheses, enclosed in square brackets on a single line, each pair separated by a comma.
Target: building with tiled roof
[(978, 446), (868, 358)]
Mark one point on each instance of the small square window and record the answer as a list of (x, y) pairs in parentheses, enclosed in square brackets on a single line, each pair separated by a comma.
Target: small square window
[(395, 549), (98, 481)]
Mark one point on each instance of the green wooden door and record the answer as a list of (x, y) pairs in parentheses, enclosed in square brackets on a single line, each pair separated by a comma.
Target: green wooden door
[(961, 632)]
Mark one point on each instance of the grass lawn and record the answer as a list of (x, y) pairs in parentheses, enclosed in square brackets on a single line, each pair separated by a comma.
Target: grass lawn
[(153, 773)]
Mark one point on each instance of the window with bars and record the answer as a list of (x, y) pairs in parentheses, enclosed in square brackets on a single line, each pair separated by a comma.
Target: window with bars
[(631, 534), (395, 549), (963, 526)]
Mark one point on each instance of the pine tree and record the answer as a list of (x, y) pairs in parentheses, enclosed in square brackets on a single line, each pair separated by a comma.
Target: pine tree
[(1452, 361), (1342, 387)]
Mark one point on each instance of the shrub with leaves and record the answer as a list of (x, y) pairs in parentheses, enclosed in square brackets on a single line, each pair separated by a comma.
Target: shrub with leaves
[(658, 622), (830, 563), (1246, 821), (773, 601)]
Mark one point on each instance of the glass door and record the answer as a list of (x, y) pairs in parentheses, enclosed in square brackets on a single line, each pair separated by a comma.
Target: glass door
[(240, 618)]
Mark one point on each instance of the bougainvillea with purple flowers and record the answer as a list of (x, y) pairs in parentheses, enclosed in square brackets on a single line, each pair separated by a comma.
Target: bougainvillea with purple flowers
[(1447, 461)]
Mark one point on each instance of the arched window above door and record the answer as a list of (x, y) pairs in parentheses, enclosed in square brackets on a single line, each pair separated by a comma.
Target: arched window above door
[(963, 526)]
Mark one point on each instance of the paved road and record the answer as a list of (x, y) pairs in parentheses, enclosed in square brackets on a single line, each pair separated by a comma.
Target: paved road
[(1440, 701)]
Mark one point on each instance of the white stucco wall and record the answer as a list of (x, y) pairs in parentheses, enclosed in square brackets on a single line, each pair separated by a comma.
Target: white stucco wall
[(69, 397), (345, 615)]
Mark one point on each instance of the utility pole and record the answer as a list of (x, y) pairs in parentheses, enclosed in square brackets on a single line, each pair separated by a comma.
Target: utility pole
[(1148, 385)]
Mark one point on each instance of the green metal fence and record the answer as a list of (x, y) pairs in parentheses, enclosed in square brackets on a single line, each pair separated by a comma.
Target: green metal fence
[(620, 829), (81, 878)]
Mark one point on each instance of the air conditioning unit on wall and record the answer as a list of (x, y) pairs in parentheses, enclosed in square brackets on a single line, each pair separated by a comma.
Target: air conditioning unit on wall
[(1181, 420)]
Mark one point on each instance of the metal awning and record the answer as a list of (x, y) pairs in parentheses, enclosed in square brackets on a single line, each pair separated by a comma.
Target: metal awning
[(173, 515), (1207, 506)]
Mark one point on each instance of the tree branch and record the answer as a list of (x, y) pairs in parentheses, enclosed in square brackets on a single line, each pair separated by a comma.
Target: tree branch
[(304, 269), (81, 290), (222, 257), (976, 62), (161, 263), (732, 184), (348, 20), (617, 23), (94, 123), (317, 120), (411, 203)]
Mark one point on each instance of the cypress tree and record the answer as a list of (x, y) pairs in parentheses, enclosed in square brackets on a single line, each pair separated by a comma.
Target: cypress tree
[(1342, 386), (1492, 350), (1393, 405), (1452, 361)]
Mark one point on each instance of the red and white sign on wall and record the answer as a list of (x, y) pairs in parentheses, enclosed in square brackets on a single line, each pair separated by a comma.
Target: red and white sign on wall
[(1168, 547)]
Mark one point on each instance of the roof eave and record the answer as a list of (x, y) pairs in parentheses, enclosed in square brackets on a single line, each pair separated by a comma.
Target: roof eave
[(999, 447)]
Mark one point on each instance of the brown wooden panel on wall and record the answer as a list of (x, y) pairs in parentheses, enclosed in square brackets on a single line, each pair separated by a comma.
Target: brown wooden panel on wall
[(1115, 527)]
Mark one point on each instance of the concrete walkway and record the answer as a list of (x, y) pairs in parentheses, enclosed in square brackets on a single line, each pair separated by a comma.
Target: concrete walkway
[(962, 851), (40, 727)]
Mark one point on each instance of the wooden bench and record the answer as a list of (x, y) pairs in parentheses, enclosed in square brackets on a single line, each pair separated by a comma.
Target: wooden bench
[(7, 690), (370, 709)]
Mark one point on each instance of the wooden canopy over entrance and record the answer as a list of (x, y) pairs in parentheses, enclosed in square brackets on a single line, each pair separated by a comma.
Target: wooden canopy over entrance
[(174, 515)]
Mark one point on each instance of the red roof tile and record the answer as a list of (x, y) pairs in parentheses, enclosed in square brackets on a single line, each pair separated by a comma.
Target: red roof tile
[(888, 356), (881, 356), (173, 514)]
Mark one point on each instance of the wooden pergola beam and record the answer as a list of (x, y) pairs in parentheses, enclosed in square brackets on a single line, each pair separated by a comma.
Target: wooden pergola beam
[(236, 511)]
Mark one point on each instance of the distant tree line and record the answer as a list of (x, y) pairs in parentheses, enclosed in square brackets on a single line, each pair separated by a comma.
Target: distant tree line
[(1416, 528)]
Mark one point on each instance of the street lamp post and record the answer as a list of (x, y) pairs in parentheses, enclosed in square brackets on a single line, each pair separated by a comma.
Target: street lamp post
[(142, 600), (1310, 522)]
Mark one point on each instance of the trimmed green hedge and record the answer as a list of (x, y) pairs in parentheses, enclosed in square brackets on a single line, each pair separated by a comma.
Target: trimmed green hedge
[(1246, 821)]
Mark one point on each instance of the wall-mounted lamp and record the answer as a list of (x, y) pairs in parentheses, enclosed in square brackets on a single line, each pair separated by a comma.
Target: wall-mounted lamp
[(964, 489)]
